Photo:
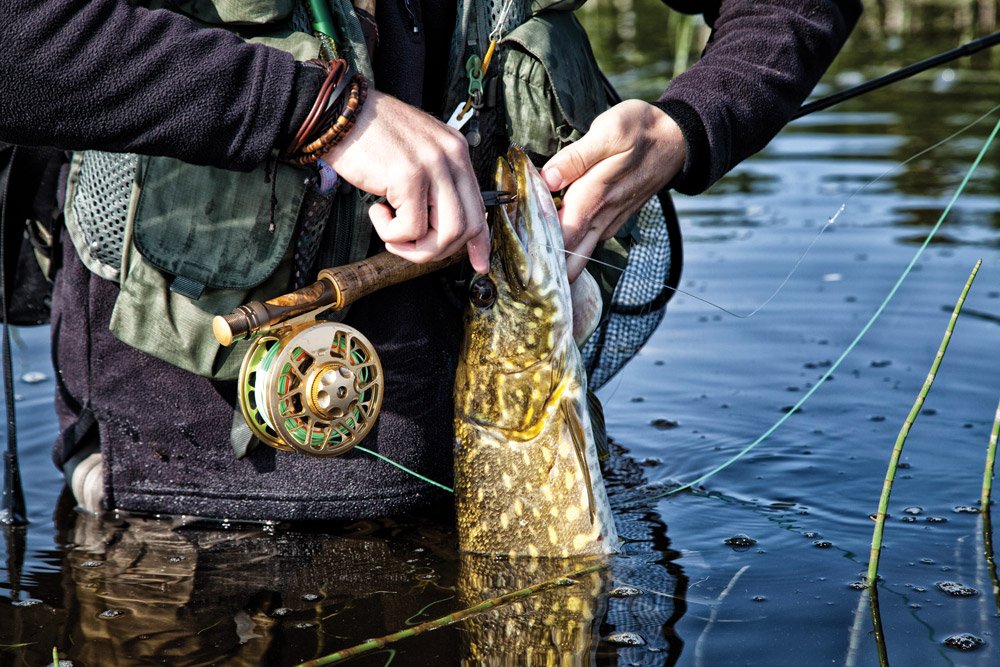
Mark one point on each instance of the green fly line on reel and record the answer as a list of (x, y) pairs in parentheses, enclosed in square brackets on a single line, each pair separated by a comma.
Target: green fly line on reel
[(314, 388)]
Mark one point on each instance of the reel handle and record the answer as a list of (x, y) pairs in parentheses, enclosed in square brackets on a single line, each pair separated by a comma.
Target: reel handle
[(336, 288)]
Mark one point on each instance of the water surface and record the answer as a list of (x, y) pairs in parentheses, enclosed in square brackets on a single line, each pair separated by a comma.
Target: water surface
[(132, 590)]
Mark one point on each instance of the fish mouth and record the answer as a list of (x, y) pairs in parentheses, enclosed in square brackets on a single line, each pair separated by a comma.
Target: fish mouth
[(525, 233)]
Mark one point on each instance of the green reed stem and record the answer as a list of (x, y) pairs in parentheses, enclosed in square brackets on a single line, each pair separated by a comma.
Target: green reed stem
[(455, 617), (878, 630), (897, 450), (991, 455)]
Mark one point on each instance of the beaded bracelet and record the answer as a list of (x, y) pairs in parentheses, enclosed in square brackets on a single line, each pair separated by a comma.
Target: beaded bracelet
[(335, 133), (335, 75)]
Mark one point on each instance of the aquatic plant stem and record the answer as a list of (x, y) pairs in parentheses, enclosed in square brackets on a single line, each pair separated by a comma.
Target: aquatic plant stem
[(991, 455), (455, 617), (897, 450), (878, 630)]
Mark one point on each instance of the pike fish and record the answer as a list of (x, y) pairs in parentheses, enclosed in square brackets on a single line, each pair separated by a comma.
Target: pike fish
[(527, 480)]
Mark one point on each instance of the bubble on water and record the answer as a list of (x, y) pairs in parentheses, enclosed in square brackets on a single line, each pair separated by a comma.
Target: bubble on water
[(177, 559), (913, 510), (310, 597), (625, 592), (858, 585), (965, 509), (27, 602), (956, 589), (34, 377), (664, 424), (740, 542), (877, 418), (919, 589), (626, 639), (881, 363), (758, 598), (111, 613), (964, 642), (810, 534), (637, 399), (927, 561), (832, 277), (91, 563), (281, 611), (823, 544), (304, 625), (936, 519)]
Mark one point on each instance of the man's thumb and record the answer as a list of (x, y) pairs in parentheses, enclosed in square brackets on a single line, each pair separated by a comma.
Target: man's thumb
[(571, 163)]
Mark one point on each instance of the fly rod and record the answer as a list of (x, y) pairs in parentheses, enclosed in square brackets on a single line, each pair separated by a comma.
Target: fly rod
[(966, 49)]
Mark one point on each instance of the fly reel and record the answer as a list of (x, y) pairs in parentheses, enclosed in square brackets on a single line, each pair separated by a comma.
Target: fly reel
[(314, 388)]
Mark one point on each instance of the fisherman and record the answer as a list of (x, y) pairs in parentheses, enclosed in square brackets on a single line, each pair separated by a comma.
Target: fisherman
[(209, 169)]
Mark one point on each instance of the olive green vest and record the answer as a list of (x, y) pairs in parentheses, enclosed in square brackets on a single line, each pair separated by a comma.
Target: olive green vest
[(199, 241)]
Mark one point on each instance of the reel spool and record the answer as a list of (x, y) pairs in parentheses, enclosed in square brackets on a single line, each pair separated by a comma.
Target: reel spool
[(314, 388)]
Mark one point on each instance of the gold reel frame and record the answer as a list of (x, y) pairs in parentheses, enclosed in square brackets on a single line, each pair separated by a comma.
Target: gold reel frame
[(320, 392)]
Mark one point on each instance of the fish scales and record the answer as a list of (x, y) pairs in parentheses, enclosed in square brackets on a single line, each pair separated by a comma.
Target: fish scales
[(527, 480)]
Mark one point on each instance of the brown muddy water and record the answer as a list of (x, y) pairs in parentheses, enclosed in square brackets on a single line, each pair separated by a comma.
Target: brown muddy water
[(127, 590)]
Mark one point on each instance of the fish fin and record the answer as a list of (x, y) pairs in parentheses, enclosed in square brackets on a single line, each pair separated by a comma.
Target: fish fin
[(597, 426), (578, 433)]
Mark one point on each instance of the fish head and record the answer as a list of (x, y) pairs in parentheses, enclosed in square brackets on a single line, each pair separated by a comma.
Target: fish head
[(519, 316)]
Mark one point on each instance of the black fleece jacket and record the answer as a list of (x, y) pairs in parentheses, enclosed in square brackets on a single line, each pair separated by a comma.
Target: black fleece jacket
[(105, 74)]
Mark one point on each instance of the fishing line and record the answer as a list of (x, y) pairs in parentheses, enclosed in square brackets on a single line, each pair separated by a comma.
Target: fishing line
[(405, 469), (864, 330), (830, 221)]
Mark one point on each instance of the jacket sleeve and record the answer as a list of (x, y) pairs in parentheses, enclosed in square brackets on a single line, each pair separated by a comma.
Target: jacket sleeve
[(762, 60), (104, 74)]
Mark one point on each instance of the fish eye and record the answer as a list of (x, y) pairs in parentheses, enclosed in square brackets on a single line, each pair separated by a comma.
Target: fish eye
[(483, 292)]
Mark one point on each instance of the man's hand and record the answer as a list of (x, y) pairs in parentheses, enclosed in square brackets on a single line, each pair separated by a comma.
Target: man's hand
[(422, 167), (630, 152)]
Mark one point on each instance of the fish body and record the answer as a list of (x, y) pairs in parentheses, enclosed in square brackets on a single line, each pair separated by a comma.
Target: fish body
[(527, 480)]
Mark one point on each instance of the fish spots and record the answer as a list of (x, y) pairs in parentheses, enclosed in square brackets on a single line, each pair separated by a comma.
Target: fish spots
[(581, 541), (569, 480), (518, 507), (508, 483), (553, 536), (547, 494), (573, 513), (533, 551), (504, 521)]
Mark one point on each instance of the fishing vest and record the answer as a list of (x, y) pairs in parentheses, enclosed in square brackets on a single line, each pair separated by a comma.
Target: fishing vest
[(187, 242)]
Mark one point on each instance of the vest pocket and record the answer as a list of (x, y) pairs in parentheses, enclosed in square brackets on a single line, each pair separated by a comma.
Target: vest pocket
[(203, 241), (552, 87)]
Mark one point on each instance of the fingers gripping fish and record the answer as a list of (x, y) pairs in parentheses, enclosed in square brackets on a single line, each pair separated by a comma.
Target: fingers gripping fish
[(527, 481)]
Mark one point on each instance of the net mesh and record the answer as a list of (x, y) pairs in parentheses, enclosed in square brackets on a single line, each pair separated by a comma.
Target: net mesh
[(639, 299), (101, 203)]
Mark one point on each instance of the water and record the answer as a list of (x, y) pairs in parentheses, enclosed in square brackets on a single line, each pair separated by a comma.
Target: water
[(132, 590)]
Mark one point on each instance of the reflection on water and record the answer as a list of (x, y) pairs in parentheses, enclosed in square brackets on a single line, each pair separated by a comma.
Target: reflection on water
[(139, 589)]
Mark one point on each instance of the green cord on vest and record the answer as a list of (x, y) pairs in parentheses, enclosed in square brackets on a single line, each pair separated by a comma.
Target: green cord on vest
[(857, 339), (322, 18), (405, 469)]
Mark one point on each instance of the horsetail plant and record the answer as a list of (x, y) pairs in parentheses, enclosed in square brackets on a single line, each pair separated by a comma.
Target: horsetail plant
[(455, 617), (991, 455), (897, 450)]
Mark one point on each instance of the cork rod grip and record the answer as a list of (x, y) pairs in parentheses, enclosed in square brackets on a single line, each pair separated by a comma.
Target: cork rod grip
[(353, 281), (336, 288)]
